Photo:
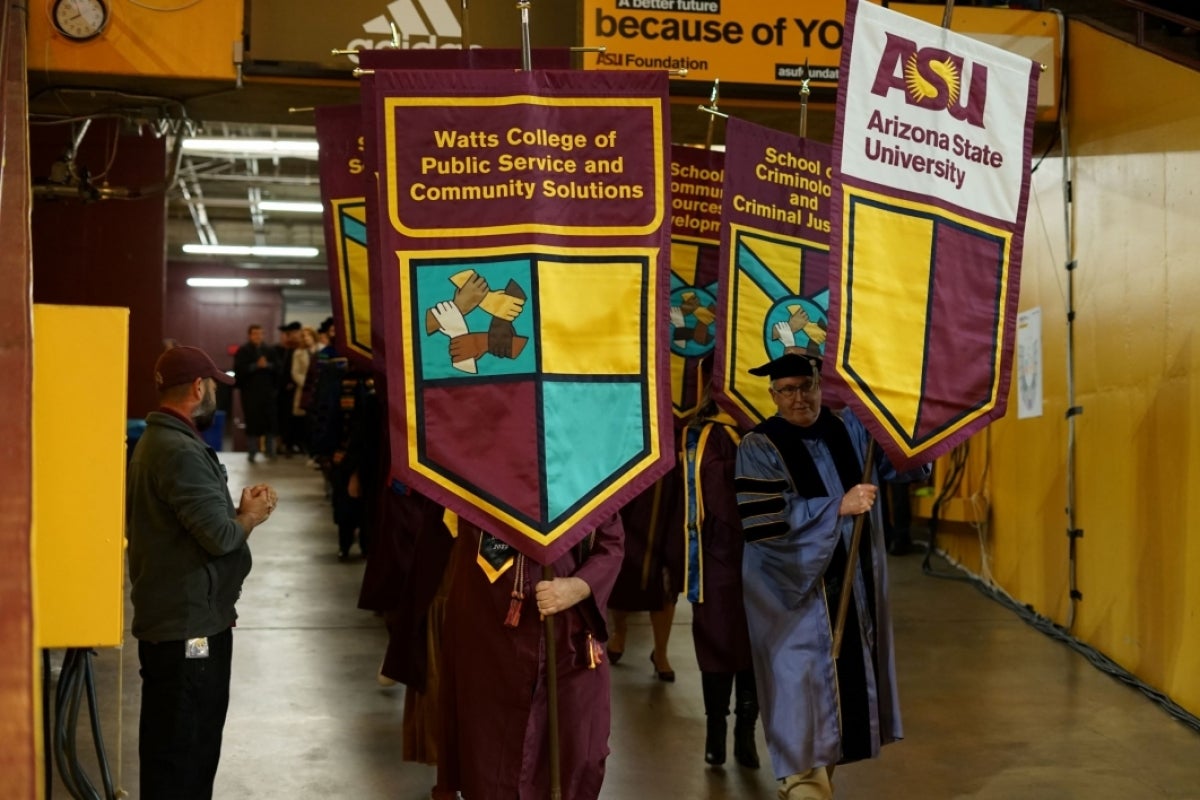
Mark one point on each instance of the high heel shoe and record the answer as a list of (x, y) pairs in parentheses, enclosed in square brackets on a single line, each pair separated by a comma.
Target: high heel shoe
[(666, 676)]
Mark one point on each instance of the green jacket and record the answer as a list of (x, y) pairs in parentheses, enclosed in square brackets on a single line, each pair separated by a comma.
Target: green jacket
[(187, 553)]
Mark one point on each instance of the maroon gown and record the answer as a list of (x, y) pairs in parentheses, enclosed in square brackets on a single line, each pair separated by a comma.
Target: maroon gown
[(652, 568), (408, 558), (493, 693), (719, 620)]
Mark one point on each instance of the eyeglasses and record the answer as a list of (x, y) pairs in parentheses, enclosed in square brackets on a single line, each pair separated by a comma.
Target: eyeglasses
[(788, 392)]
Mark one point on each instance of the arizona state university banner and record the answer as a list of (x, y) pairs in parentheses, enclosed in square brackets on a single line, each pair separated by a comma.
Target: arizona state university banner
[(696, 178), (343, 190), (525, 278), (774, 260), (932, 139)]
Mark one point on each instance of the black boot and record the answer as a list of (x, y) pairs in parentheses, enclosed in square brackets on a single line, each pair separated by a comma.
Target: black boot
[(745, 750), (716, 687), (714, 742)]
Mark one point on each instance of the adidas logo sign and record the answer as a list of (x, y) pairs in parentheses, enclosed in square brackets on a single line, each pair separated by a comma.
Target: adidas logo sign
[(423, 24)]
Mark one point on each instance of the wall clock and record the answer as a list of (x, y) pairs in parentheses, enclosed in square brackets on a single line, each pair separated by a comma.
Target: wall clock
[(80, 20)]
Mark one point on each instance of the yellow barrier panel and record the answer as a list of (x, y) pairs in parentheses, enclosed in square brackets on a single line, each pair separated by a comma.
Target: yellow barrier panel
[(80, 366)]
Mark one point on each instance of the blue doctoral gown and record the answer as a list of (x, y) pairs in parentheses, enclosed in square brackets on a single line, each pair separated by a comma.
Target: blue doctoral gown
[(790, 617)]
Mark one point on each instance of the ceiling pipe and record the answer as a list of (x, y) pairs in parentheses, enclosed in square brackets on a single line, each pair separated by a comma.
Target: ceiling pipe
[(195, 203)]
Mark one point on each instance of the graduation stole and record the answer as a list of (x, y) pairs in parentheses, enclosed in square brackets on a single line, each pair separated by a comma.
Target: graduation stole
[(496, 557), (694, 441)]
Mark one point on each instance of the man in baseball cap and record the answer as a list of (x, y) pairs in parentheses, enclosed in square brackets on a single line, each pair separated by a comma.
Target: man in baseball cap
[(188, 557), (183, 364)]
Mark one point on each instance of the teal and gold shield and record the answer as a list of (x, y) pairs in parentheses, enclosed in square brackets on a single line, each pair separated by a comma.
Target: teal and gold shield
[(533, 380)]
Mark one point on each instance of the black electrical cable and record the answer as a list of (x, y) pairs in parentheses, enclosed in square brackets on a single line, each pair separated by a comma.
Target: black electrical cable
[(1065, 27), (958, 467), (76, 678), (66, 676), (47, 728), (97, 735)]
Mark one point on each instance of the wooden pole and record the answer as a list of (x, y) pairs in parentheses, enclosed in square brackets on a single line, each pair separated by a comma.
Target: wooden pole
[(552, 697), (466, 25), (547, 570), (852, 559), (948, 14)]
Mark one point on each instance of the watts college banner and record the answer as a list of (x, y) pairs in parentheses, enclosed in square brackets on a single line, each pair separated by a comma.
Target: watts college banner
[(932, 140), (525, 281), (774, 260)]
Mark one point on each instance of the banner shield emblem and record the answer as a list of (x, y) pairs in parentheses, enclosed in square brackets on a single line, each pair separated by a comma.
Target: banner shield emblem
[(774, 261), (526, 277)]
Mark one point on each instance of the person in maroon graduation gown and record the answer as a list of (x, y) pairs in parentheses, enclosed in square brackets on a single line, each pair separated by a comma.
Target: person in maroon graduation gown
[(713, 582), (494, 739), (651, 575)]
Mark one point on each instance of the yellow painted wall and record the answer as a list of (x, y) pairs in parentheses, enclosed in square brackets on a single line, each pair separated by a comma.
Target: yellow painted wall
[(78, 540), (195, 41), (1135, 147)]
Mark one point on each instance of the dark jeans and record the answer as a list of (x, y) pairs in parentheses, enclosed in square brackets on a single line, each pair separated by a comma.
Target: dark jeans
[(184, 701)]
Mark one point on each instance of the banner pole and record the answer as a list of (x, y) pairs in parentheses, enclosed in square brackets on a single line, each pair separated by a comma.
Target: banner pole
[(552, 697), (949, 12), (852, 559), (712, 119), (526, 56), (547, 570), (804, 92), (466, 26)]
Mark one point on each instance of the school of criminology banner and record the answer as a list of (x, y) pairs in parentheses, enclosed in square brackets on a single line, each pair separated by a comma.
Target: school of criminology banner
[(765, 42), (525, 269), (774, 260), (932, 139), (343, 195), (696, 179)]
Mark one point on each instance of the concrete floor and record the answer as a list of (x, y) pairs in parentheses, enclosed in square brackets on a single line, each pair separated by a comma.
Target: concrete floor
[(992, 709)]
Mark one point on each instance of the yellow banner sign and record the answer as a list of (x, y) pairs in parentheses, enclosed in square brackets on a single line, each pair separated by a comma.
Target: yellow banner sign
[(764, 42)]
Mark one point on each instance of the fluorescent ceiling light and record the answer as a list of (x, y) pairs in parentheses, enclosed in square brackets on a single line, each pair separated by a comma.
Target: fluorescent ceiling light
[(264, 148), (298, 206), (218, 283), (246, 250)]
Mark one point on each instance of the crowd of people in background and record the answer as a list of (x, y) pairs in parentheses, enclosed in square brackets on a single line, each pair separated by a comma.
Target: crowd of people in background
[(300, 398)]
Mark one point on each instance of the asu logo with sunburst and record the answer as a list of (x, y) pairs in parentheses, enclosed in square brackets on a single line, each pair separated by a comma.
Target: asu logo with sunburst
[(932, 78), (945, 90)]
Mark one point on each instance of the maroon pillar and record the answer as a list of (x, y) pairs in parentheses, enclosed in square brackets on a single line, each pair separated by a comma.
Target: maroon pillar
[(106, 252), (18, 760)]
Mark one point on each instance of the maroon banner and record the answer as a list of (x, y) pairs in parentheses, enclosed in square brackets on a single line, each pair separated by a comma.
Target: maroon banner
[(343, 195), (774, 286), (525, 294), (696, 179)]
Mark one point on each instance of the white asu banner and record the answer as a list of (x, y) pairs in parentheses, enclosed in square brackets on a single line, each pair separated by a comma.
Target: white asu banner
[(971, 153), (932, 145)]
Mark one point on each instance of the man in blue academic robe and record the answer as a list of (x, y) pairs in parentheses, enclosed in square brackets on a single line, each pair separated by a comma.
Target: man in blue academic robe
[(799, 486)]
